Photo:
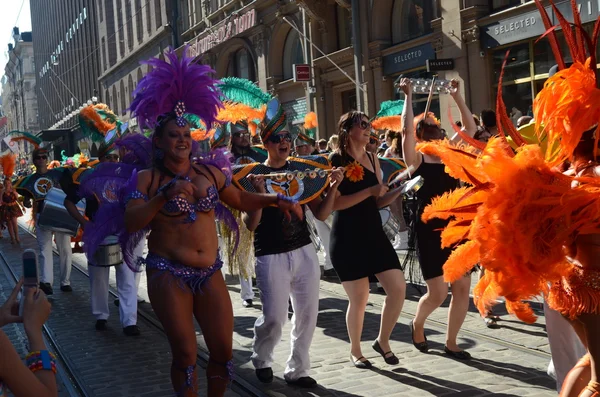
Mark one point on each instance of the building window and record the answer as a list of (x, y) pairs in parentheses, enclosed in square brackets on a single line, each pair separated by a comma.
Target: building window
[(418, 15), (129, 90), (344, 27), (148, 16), (84, 13), (139, 77), (158, 13), (123, 95), (348, 101), (121, 34), (114, 100), (129, 23), (292, 54), (497, 5), (101, 11), (104, 54), (139, 23), (242, 65), (111, 32)]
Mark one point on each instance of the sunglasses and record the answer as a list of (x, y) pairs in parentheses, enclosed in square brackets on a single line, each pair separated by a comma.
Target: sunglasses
[(364, 125), (280, 138), (241, 134), (40, 158)]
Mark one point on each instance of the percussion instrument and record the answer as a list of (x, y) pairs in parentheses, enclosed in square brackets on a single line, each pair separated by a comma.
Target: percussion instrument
[(391, 225), (108, 253), (425, 86), (412, 185), (54, 216)]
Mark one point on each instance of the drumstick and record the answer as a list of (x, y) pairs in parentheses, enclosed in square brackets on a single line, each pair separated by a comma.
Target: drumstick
[(398, 180)]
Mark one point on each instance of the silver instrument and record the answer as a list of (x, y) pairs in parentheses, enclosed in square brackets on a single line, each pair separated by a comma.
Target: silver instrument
[(108, 253), (423, 86), (391, 225), (54, 216)]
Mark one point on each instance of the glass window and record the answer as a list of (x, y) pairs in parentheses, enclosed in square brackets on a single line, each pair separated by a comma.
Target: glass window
[(292, 54), (418, 15), (84, 13), (496, 5), (517, 66), (344, 27), (348, 101), (242, 65)]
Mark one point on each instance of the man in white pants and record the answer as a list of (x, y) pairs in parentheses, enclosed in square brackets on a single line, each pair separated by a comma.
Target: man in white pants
[(286, 266), (43, 182), (99, 272)]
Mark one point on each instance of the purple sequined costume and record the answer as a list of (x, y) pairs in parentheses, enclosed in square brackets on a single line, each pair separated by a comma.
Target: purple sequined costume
[(191, 277)]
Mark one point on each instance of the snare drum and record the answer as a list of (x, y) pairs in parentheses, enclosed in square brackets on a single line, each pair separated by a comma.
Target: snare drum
[(55, 217), (108, 253), (390, 223)]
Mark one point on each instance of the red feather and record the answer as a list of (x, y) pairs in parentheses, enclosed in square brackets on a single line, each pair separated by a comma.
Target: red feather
[(551, 36)]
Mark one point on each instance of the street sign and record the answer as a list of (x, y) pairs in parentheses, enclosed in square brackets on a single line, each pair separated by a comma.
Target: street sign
[(437, 65), (301, 72)]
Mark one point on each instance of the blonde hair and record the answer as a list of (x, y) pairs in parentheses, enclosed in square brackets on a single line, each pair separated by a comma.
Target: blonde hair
[(334, 140)]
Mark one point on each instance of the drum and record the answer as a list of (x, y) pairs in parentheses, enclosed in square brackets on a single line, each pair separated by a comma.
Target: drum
[(390, 223), (54, 215), (108, 253)]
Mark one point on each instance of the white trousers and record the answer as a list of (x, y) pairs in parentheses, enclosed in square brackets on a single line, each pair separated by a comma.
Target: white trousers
[(323, 231), (127, 288), (246, 291), (63, 244), (565, 346), (292, 274)]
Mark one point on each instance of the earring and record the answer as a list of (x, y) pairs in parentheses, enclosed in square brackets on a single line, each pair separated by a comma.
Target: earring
[(159, 154)]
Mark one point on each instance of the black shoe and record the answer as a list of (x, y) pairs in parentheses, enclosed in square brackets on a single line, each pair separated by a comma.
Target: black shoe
[(116, 302), (100, 325), (423, 347), (131, 330), (47, 288), (265, 375), (460, 355), (247, 303), (389, 359), (66, 288), (305, 382), (360, 364), (330, 273)]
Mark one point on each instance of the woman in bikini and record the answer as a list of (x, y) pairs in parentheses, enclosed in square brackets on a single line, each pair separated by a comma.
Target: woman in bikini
[(177, 199)]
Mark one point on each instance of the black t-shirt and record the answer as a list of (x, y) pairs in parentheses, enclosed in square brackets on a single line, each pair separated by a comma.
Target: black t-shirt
[(71, 189), (276, 235)]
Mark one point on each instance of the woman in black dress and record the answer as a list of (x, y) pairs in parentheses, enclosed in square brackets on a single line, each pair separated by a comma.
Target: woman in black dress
[(359, 247), (430, 254)]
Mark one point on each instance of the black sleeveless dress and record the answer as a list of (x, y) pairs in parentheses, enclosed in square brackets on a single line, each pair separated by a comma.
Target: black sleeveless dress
[(429, 241), (358, 245)]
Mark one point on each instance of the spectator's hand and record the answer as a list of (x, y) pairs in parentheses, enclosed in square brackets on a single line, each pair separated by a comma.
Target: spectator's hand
[(36, 310), (406, 86), (9, 312), (336, 177)]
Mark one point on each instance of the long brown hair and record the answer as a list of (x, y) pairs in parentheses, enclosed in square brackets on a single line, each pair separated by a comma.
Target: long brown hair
[(347, 121)]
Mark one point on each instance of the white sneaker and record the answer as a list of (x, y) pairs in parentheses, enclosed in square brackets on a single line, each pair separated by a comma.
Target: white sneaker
[(401, 241)]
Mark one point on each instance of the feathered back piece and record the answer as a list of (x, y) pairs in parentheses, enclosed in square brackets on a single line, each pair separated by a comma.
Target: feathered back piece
[(310, 125), (243, 100), (17, 136), (8, 163), (97, 120), (569, 104), (177, 86), (389, 116)]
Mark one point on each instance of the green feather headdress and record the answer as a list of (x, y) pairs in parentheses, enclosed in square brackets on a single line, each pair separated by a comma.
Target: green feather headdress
[(17, 136), (243, 101), (389, 116)]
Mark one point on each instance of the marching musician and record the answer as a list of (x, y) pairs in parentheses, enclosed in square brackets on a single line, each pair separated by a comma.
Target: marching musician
[(286, 263), (127, 280), (34, 188)]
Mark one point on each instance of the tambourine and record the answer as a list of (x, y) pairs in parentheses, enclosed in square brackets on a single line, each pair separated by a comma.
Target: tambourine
[(412, 185), (37, 186), (303, 180)]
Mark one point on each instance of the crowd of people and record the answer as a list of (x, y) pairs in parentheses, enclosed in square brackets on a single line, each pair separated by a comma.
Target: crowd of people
[(172, 194)]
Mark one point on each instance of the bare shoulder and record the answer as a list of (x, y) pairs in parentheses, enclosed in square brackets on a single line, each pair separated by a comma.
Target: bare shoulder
[(216, 172), (145, 175)]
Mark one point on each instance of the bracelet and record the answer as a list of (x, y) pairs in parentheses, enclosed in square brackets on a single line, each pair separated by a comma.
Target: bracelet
[(41, 360), (286, 198), (135, 195)]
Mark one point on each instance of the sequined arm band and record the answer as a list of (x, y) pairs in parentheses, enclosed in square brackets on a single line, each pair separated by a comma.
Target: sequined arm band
[(135, 195), (286, 198), (41, 360)]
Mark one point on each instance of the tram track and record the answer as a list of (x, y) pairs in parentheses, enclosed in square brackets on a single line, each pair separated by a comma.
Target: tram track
[(66, 370), (238, 384)]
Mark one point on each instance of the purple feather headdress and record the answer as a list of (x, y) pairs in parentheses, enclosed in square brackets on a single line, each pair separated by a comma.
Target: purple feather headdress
[(175, 86)]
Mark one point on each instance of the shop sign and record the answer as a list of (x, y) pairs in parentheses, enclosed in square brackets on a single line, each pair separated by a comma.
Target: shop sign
[(301, 72), (407, 59), (438, 65), (530, 24), (229, 29)]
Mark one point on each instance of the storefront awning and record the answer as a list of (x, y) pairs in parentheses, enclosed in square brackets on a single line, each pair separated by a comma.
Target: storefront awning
[(53, 135)]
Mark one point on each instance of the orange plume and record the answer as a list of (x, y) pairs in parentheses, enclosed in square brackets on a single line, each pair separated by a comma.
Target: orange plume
[(310, 121), (9, 163), (392, 123), (91, 116)]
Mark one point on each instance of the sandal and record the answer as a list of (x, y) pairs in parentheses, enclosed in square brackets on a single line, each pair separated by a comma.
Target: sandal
[(358, 363), (423, 347), (392, 360), (460, 355)]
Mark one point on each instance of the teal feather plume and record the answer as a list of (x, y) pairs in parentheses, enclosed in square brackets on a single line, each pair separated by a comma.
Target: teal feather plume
[(26, 135), (390, 108), (243, 91)]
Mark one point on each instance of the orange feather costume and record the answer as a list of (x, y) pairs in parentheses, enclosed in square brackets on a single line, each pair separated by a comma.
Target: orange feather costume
[(519, 212)]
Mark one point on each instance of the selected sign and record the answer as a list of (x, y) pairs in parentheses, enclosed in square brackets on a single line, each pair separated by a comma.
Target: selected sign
[(437, 65), (301, 72)]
